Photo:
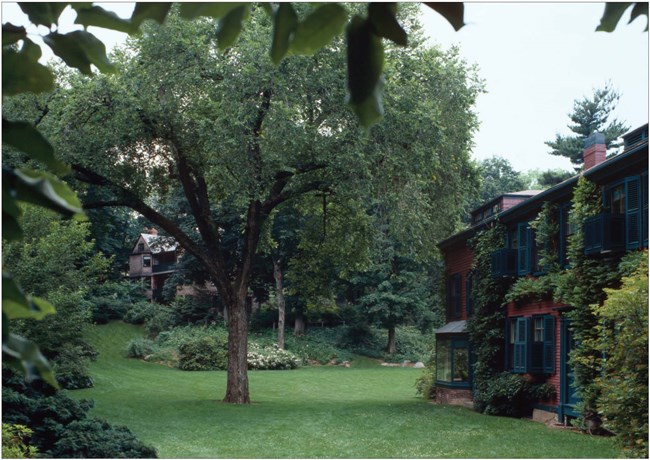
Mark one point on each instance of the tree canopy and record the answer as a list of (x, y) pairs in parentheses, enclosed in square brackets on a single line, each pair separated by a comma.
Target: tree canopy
[(589, 115)]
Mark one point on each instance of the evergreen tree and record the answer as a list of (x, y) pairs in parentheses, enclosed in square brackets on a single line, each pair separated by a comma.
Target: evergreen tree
[(589, 115)]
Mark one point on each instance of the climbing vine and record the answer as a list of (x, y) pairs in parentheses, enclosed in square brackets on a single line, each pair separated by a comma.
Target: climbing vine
[(582, 286), (486, 326)]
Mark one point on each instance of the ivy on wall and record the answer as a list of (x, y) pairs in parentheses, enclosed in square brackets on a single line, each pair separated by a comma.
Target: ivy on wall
[(486, 327)]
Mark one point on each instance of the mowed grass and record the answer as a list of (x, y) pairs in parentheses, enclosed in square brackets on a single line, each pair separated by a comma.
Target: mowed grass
[(366, 411)]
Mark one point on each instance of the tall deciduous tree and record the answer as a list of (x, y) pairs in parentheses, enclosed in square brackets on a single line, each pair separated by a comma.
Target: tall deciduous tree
[(240, 137), (590, 114)]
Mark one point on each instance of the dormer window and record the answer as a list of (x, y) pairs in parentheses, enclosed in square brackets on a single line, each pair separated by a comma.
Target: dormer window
[(140, 247)]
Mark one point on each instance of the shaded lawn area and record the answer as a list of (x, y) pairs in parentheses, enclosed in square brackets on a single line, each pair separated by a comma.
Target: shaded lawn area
[(364, 411)]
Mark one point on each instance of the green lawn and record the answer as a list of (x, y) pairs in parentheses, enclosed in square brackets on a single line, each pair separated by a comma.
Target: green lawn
[(363, 411)]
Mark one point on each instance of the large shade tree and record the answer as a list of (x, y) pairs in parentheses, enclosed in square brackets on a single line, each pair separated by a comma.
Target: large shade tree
[(240, 137)]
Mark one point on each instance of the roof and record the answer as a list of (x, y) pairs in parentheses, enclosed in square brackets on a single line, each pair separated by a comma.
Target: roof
[(455, 327), (598, 172), (159, 243)]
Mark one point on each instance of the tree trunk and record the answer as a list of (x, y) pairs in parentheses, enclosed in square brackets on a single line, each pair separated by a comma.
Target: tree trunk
[(237, 384), (277, 274), (390, 347), (299, 325)]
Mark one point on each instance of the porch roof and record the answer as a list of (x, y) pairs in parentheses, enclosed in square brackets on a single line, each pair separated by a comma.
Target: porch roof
[(454, 327)]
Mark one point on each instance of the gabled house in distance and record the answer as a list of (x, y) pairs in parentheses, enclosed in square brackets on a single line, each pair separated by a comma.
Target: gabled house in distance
[(153, 259), (537, 333)]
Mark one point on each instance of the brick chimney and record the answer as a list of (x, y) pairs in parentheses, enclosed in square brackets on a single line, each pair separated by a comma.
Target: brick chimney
[(153, 231), (595, 150)]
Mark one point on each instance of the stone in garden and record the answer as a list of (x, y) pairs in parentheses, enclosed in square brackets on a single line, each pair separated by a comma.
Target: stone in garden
[(419, 365)]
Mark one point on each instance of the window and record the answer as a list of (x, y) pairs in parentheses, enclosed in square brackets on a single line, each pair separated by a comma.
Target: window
[(146, 261), (469, 303), (452, 361), (617, 199), (140, 247), (530, 347), (453, 296)]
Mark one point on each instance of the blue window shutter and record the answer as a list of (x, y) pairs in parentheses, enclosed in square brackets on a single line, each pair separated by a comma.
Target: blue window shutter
[(520, 362), (523, 259), (632, 213), (549, 344)]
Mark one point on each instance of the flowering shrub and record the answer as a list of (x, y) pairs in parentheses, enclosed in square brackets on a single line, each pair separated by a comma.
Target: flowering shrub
[(271, 358)]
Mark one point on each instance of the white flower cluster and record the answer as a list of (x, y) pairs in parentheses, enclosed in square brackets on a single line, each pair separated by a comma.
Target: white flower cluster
[(271, 358)]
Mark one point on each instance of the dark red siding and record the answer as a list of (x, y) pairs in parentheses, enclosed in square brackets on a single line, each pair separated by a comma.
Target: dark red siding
[(543, 307), (458, 259)]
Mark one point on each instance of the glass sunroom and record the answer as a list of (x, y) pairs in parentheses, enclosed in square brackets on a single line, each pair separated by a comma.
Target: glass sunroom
[(453, 356)]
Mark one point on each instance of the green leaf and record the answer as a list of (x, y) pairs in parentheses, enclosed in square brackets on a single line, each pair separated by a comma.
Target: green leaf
[(284, 24), (268, 9), (319, 28), (34, 363), (230, 26), (365, 54), (43, 189), (11, 230), (612, 15), (18, 306), (21, 73), (26, 138), (213, 10), (31, 50), (156, 11), (99, 17), (80, 49), (453, 12), (384, 23), (11, 34), (640, 8), (42, 13)]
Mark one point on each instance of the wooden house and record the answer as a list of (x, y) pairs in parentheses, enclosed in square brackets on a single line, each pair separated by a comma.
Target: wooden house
[(153, 259), (537, 333)]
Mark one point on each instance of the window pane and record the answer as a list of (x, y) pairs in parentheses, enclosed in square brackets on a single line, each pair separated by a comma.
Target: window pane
[(461, 365), (443, 361)]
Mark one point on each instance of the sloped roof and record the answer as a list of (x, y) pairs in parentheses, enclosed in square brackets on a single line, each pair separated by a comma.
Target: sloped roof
[(159, 243), (455, 327)]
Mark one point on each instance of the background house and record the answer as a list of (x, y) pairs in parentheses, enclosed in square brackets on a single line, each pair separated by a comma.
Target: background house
[(537, 333), (153, 259)]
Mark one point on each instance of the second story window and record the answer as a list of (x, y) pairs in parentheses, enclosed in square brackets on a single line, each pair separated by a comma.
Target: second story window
[(146, 261), (453, 296), (617, 199)]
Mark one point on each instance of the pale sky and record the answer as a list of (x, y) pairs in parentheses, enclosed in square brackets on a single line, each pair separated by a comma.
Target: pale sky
[(535, 58)]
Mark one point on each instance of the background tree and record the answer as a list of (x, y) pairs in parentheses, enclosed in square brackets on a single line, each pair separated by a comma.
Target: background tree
[(56, 260), (497, 176), (590, 114)]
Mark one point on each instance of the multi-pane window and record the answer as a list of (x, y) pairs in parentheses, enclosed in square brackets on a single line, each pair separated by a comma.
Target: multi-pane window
[(452, 361), (617, 199), (146, 261), (454, 296), (531, 345)]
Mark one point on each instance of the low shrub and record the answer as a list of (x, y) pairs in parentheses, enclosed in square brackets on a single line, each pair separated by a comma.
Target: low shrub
[(59, 425), (140, 347), (511, 395), (71, 368), (15, 442), (203, 354), (425, 385), (271, 358), (96, 438), (140, 312), (162, 319)]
